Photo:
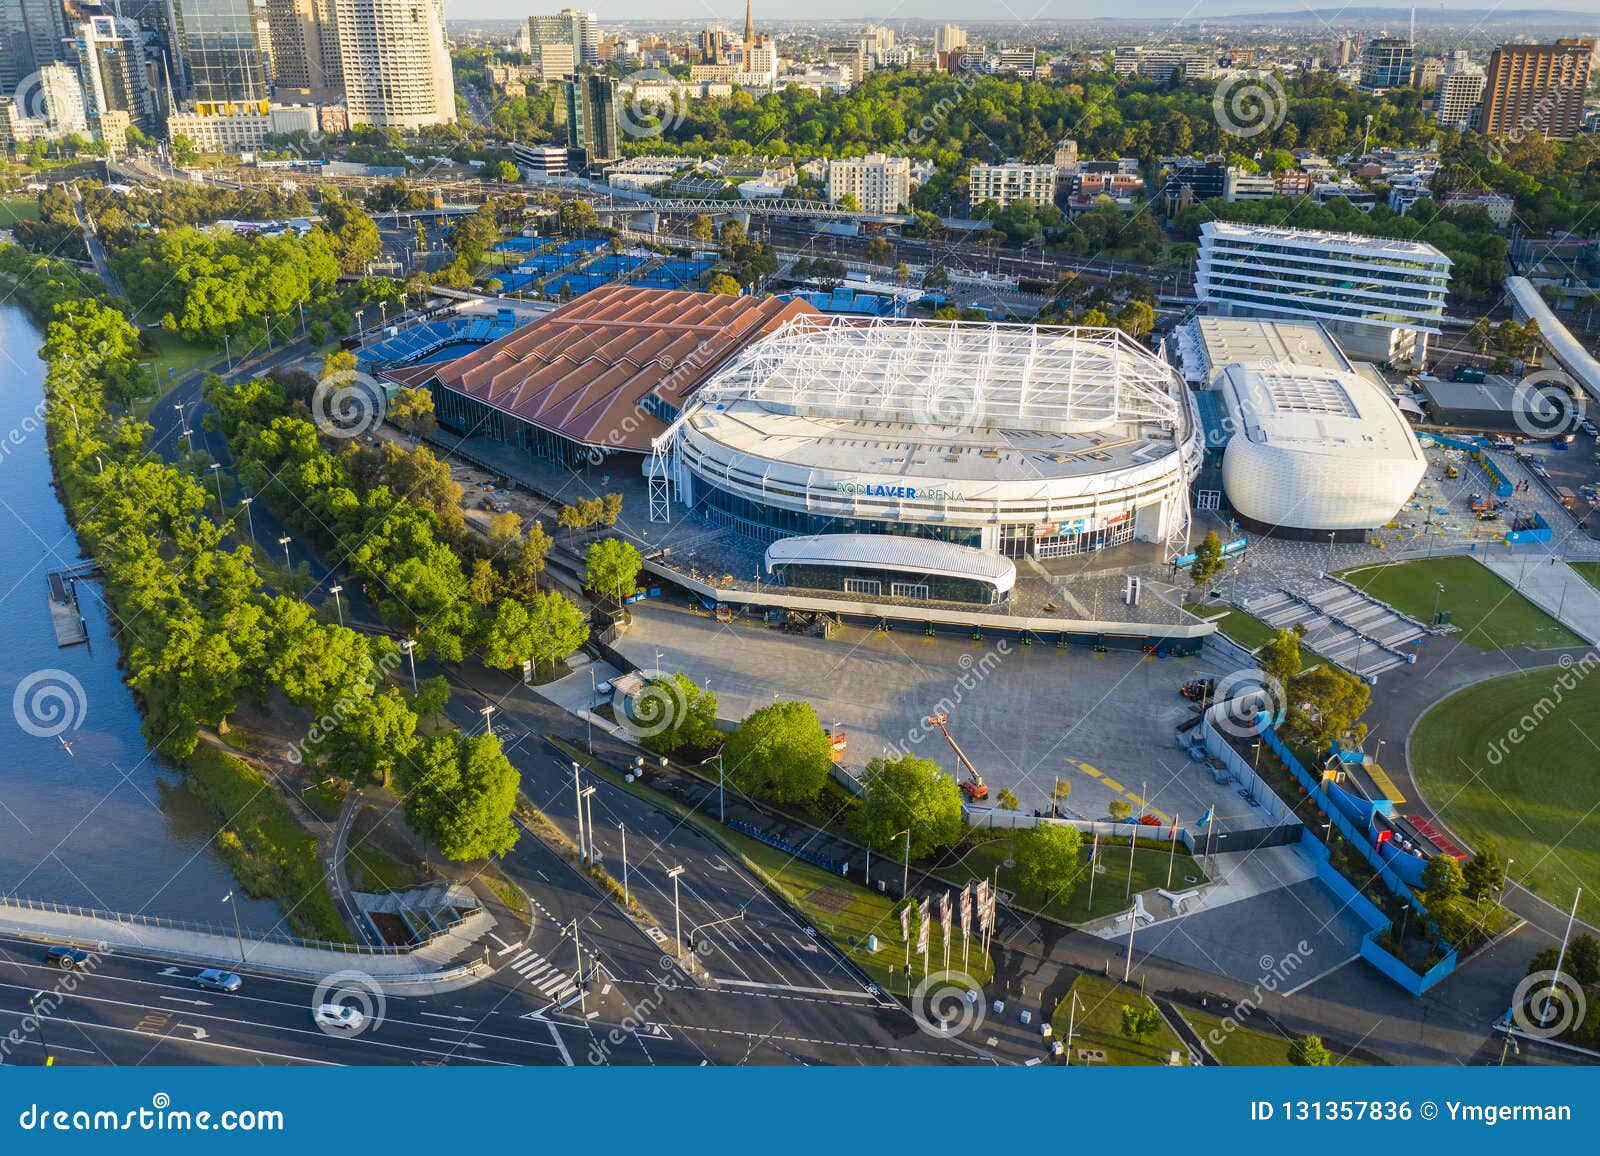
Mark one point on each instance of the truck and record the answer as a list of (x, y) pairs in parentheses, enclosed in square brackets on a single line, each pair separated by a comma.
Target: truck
[(1568, 499)]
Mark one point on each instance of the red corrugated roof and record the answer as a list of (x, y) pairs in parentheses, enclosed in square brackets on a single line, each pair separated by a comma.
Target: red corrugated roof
[(582, 371)]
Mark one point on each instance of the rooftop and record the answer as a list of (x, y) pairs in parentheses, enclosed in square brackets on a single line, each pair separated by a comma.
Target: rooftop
[(1319, 238), (895, 552), (1214, 342), (1311, 410)]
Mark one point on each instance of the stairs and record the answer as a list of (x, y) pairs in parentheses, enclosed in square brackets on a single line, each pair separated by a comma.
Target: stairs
[(1343, 625)]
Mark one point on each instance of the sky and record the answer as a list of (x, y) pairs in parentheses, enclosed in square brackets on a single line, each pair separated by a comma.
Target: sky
[(731, 12)]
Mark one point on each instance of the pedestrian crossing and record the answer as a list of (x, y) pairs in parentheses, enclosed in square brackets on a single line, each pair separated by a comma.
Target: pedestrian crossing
[(540, 973)]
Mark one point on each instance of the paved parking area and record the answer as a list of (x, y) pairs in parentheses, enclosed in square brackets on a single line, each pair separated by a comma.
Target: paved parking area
[(1024, 715)]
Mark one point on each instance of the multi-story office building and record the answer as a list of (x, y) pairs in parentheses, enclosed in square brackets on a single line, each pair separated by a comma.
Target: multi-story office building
[(110, 59), (1386, 62), (1536, 88), (592, 117), (1010, 182), (396, 63), (1426, 72), (1023, 62), (879, 183), (305, 44), (1459, 92), (569, 26), (221, 51), (1188, 181), (32, 34), (61, 100), (1381, 299), (949, 38), (554, 61), (1162, 63)]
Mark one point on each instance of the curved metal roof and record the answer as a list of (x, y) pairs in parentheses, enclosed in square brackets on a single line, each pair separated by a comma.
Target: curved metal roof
[(895, 552)]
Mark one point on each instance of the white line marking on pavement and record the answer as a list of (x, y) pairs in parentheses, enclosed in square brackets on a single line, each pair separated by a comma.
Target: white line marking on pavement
[(566, 1058), (792, 987)]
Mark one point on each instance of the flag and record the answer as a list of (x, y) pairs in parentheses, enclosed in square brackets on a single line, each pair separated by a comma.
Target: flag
[(1094, 851), (988, 919), (905, 922), (944, 914), (985, 905), (1206, 818), (922, 932), (966, 909)]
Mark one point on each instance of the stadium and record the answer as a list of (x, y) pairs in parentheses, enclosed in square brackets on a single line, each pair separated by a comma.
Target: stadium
[(1010, 439)]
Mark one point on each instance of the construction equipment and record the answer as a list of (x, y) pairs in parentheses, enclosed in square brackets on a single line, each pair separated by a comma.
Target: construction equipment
[(837, 741), (973, 785)]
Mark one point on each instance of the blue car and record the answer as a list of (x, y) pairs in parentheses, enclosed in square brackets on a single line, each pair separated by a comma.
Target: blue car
[(66, 958)]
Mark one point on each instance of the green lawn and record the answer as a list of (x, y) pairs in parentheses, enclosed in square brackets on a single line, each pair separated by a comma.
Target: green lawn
[(1517, 758), (1098, 1025), (1244, 628), (1588, 571), (1245, 1047), (1110, 888), (1488, 612), (14, 209), (176, 358)]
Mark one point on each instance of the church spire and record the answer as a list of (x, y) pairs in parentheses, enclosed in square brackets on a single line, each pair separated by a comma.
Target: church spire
[(749, 25)]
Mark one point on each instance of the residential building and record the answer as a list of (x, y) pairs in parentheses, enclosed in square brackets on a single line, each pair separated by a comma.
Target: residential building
[(552, 62), (1459, 92), (396, 63), (949, 38), (1386, 62), (1499, 206), (110, 61), (1162, 64), (305, 45), (1123, 189), (1243, 186), (1066, 157), (571, 27), (1536, 88), (1381, 299), (879, 183), (1426, 72), (592, 117), (1012, 181)]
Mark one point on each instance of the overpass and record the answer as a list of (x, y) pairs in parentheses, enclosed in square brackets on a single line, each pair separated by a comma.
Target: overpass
[(1566, 350), (758, 206)]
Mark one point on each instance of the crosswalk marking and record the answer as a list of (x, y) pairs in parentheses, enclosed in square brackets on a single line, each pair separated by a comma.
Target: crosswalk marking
[(549, 979)]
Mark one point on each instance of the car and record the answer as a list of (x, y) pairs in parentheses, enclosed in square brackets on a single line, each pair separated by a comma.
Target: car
[(1589, 427), (338, 1016), (603, 686), (66, 958), (215, 979)]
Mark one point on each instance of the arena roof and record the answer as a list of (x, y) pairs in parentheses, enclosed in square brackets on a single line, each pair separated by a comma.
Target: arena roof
[(583, 370), (1307, 409), (1207, 344), (954, 374), (895, 552)]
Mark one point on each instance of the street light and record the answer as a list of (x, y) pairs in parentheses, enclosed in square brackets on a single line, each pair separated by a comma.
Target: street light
[(338, 604), (233, 904), (577, 791), (488, 718), (1438, 592), (626, 899), (250, 519), (409, 645), (677, 916), (33, 1010), (287, 564), (586, 801), (216, 472)]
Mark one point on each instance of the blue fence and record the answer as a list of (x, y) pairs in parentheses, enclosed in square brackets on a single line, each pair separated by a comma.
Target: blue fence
[(788, 848), (1368, 911), (1539, 533)]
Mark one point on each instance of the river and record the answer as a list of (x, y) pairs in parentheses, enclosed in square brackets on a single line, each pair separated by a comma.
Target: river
[(106, 824)]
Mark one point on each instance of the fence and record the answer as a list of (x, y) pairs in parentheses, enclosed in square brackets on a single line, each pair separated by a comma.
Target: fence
[(997, 819), (125, 920)]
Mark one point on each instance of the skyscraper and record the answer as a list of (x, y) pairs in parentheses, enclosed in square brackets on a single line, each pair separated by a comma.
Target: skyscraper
[(32, 33), (305, 44), (1460, 88), (569, 26), (222, 48), (396, 62), (111, 69), (1536, 88), (1386, 62), (592, 117)]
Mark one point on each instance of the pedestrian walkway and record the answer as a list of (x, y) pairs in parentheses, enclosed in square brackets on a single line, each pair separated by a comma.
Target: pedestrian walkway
[(1554, 587), (555, 983), (1342, 625), (448, 961)]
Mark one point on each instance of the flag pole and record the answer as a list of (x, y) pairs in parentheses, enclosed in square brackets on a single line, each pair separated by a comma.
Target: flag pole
[(1172, 852)]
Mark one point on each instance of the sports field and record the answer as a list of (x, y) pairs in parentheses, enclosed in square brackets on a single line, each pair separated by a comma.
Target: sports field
[(1518, 758), (1488, 613)]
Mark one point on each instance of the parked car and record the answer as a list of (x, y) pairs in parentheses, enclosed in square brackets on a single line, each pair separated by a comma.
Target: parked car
[(215, 979), (66, 958), (340, 1017)]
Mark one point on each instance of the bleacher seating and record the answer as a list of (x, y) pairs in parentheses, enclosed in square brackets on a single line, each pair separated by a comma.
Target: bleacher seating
[(829, 865)]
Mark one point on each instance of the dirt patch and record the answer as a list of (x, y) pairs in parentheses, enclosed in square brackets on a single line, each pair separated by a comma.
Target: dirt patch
[(830, 899)]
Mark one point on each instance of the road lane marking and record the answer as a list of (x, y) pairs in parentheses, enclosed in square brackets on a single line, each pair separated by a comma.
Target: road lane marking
[(794, 987), (566, 1057)]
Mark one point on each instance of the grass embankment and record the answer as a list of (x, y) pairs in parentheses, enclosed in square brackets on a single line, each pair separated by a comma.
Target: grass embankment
[(1245, 628), (1111, 890), (1487, 611), (1097, 1026), (271, 855), (1515, 758), (1242, 1047), (175, 358), (14, 209), (844, 912), (372, 866)]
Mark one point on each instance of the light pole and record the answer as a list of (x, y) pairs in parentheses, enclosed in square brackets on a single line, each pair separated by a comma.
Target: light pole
[(266, 321), (44, 1044), (250, 519), (227, 349), (338, 603), (233, 904), (658, 666), (1561, 957), (577, 950), (577, 791), (626, 899), (1072, 1022), (905, 878), (216, 472), (586, 801), (1438, 593), (287, 564), (677, 917), (594, 693), (409, 645), (488, 718), (1133, 922), (722, 814)]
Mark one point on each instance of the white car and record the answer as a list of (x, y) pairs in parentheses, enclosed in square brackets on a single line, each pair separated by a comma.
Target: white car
[(338, 1016)]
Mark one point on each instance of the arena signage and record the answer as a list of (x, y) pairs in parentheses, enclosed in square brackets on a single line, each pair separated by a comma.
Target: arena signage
[(881, 490)]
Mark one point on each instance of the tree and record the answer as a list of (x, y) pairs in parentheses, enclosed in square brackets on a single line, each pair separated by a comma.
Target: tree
[(723, 284), (1326, 703), (558, 628), (1309, 1052), (1120, 809), (1060, 793), (937, 277), (1208, 561), (779, 752), (672, 712), (1008, 800), (504, 533), (1442, 881), (613, 568), (1049, 859), (908, 792), (507, 639), (700, 229), (412, 411), (1139, 1022), (521, 578), (459, 794), (1280, 656), (352, 233), (1485, 872), (507, 173), (183, 150)]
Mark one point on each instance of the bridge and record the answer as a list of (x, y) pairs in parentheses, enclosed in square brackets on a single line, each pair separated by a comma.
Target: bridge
[(759, 206)]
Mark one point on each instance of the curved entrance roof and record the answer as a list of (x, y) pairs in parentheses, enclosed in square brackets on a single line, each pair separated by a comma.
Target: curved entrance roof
[(898, 553)]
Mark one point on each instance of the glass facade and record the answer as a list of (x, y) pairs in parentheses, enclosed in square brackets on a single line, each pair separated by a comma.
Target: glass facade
[(471, 418), (764, 523), (875, 583), (223, 53)]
